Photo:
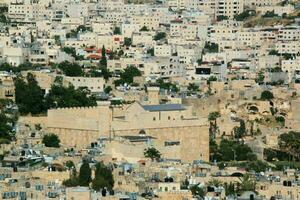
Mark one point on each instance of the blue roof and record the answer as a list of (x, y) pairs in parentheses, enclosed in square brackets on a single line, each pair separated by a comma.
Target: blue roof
[(163, 107)]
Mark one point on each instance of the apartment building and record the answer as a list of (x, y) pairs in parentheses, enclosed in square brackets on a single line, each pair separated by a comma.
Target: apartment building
[(94, 84), (14, 55), (77, 10), (289, 34), (290, 47), (164, 67), (114, 17), (151, 22), (143, 38), (189, 53), (102, 28), (127, 29), (291, 65), (229, 8), (163, 50), (28, 11)]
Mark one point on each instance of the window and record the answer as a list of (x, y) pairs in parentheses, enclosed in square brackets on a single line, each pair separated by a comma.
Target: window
[(172, 143), (154, 118)]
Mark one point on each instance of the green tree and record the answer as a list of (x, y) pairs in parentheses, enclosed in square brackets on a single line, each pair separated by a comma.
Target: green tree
[(273, 52), (144, 28), (101, 72), (229, 189), (5, 128), (260, 77), (51, 140), (117, 31), (127, 75), (197, 191), (160, 36), (103, 178), (103, 61), (246, 184), (29, 95), (3, 18), (71, 182), (85, 174), (107, 89), (127, 41), (232, 150), (193, 87), (162, 84), (213, 150), (150, 51), (61, 97), (215, 183), (213, 127), (211, 47), (290, 142), (71, 69), (266, 95), (240, 131), (71, 51), (213, 116), (222, 17), (244, 15), (152, 153), (70, 164), (270, 14)]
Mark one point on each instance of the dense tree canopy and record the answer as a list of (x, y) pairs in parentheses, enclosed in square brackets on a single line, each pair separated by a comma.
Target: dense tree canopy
[(117, 31), (103, 178), (127, 75), (290, 142), (244, 15), (152, 153), (167, 85), (160, 35), (5, 128), (85, 174), (211, 47), (71, 69), (213, 116), (22, 67), (51, 140), (29, 95), (230, 150), (266, 95), (144, 28), (60, 96)]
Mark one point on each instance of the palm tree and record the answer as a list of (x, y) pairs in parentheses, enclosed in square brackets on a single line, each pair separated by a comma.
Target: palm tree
[(215, 182), (246, 184)]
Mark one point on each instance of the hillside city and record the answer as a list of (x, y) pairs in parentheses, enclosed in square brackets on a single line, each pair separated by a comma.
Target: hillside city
[(152, 99)]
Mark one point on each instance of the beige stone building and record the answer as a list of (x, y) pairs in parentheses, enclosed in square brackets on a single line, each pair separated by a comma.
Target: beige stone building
[(173, 126)]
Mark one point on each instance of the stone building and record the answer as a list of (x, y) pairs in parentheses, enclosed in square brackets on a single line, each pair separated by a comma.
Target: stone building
[(167, 123)]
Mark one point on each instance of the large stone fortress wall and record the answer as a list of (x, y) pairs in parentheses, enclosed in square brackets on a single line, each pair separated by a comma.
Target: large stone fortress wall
[(78, 127)]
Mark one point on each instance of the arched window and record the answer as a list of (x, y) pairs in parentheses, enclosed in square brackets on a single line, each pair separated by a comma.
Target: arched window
[(142, 132)]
